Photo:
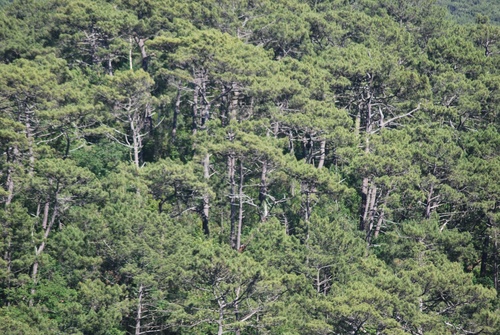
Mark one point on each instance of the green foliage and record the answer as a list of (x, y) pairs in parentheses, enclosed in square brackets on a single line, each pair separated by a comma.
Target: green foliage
[(467, 11), (249, 167)]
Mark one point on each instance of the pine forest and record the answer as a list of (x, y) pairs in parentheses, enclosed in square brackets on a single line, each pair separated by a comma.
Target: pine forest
[(249, 167)]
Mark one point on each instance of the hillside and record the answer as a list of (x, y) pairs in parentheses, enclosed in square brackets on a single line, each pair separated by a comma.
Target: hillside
[(466, 11), (248, 167)]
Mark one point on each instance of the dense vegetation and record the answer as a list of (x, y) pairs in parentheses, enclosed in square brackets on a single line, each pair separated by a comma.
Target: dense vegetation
[(467, 11), (248, 167)]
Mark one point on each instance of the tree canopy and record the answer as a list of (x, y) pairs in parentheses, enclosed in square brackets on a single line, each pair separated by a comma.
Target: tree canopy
[(249, 167)]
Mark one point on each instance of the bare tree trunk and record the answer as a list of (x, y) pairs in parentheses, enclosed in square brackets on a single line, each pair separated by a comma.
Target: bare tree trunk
[(307, 211), (307, 214), (240, 206), (138, 317), (364, 203), (357, 123), (495, 258), (92, 39), (231, 161), (322, 151), (205, 114), (45, 214), (318, 282), (286, 224), (34, 274), (237, 331), (196, 92), (130, 63), (233, 108), (371, 209), (46, 226), (110, 66), (381, 217), (206, 197), (29, 136), (220, 322), (290, 143), (136, 140), (144, 55), (262, 193), (364, 206), (494, 234)]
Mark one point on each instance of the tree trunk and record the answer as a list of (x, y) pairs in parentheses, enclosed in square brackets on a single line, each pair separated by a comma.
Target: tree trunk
[(496, 269), (428, 207), (307, 213), (10, 187), (231, 161), (262, 193), (29, 136), (12, 154), (233, 108), (45, 219), (136, 139), (144, 55), (484, 255), (237, 331), (364, 206), (322, 154), (206, 197), (307, 148), (495, 258), (92, 39), (194, 124), (177, 111), (130, 62), (307, 210), (357, 124), (205, 114), (138, 317), (109, 65), (364, 203), (220, 322), (381, 217), (8, 260), (372, 196), (318, 282), (240, 206), (368, 201), (47, 227)]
